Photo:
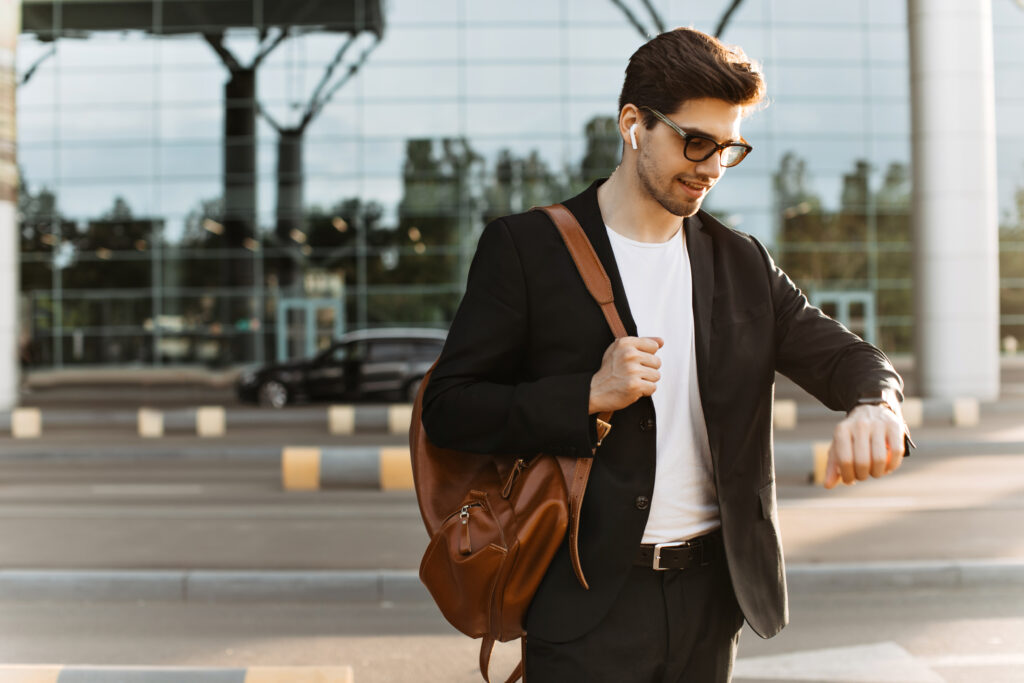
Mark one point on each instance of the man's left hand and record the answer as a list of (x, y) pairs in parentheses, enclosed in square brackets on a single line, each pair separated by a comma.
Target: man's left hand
[(869, 442)]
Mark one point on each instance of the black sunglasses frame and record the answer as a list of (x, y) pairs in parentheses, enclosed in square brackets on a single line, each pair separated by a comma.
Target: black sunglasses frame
[(718, 147)]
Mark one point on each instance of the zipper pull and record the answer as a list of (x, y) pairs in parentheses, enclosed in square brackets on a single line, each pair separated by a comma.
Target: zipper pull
[(518, 467), (465, 545)]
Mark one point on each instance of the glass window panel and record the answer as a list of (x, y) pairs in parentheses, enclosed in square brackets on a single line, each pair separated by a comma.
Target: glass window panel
[(191, 122), (752, 38), (83, 200), (417, 11), (102, 51), (412, 120), (85, 123), (802, 11), (531, 11), (817, 81), (736, 192), (590, 12), (825, 44), (428, 82), (339, 120), (176, 197), (191, 85), (1006, 42), (189, 159), (594, 79), (890, 118), (808, 116), (341, 159), (37, 164), (383, 156), (885, 44), (113, 161), (538, 42), (600, 43), (512, 82), (889, 82), (514, 118), (887, 12), (415, 44)]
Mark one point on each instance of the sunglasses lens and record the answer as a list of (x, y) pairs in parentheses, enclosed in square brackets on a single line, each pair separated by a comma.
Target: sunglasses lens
[(733, 154)]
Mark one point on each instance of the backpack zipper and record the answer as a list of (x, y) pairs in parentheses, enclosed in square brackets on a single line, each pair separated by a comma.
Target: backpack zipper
[(519, 465)]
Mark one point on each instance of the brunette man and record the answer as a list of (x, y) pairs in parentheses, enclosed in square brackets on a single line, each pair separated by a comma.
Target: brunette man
[(679, 536)]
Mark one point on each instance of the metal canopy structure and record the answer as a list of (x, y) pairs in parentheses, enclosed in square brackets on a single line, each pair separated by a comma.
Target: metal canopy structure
[(51, 19)]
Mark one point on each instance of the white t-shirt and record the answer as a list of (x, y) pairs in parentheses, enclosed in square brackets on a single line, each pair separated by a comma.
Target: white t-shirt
[(659, 289)]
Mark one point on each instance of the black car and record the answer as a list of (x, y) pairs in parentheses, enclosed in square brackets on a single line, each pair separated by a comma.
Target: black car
[(385, 364)]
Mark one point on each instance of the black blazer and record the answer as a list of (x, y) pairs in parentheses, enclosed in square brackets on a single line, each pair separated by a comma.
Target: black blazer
[(514, 377)]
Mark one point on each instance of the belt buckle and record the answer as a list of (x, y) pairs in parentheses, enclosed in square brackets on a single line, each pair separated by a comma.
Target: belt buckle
[(657, 553)]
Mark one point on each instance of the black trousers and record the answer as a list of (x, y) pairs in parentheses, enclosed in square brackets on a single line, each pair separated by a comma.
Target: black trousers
[(665, 627)]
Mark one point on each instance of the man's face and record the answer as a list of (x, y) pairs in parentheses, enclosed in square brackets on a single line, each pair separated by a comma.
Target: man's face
[(671, 179)]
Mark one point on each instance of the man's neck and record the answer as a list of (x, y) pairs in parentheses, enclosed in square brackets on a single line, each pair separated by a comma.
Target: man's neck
[(628, 210)]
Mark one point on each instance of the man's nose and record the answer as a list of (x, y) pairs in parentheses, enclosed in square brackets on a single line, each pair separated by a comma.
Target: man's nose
[(712, 166)]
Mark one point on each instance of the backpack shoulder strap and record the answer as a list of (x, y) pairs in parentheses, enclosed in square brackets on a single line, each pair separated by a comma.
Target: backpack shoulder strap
[(600, 287)]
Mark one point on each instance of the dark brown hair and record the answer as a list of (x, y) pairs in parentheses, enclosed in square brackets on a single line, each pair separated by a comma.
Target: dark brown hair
[(685, 64)]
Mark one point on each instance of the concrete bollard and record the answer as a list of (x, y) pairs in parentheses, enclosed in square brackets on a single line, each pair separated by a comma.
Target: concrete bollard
[(26, 423), (966, 412), (210, 421), (784, 414), (312, 468), (151, 423), (820, 449), (395, 469), (399, 418), (341, 420), (913, 412), (300, 469)]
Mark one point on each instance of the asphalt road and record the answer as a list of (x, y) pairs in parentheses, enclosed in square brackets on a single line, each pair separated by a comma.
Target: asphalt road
[(194, 513), (963, 636)]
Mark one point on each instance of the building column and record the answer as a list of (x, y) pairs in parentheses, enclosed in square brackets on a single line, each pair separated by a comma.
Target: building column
[(10, 27), (954, 214)]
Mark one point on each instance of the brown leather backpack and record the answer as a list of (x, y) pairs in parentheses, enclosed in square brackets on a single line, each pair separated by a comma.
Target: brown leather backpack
[(496, 521)]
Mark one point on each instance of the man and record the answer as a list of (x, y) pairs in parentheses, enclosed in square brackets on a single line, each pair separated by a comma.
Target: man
[(679, 536)]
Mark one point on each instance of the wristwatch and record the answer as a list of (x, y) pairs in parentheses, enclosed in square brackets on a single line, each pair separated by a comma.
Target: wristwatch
[(908, 443)]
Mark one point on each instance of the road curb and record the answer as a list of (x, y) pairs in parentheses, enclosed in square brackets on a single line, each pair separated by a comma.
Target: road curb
[(48, 673), (403, 586)]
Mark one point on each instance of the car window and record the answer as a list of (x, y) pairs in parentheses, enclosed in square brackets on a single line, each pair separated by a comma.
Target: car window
[(345, 352), (390, 350), (427, 349)]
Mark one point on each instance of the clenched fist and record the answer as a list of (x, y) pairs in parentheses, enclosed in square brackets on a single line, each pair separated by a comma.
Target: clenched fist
[(629, 370)]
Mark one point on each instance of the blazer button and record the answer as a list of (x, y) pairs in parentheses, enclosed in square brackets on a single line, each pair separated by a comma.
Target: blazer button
[(647, 424), (642, 502)]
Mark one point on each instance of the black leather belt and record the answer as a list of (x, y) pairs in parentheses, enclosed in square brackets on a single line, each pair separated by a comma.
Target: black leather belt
[(696, 552)]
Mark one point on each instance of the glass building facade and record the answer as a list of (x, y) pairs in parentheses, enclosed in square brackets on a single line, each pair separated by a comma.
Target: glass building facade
[(238, 181)]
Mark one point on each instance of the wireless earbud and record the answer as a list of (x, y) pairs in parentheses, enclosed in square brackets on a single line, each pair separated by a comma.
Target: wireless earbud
[(632, 135)]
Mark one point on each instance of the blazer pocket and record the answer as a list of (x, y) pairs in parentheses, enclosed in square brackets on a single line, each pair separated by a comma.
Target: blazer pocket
[(767, 495), (743, 315)]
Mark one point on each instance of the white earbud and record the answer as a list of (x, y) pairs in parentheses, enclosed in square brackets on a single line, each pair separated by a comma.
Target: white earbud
[(632, 135)]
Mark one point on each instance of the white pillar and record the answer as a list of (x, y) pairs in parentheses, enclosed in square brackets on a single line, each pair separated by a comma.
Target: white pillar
[(10, 26), (954, 218)]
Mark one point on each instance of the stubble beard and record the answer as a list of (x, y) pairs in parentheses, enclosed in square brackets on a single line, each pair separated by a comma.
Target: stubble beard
[(675, 206)]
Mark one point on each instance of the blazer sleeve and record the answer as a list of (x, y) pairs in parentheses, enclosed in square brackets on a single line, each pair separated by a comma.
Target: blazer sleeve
[(478, 398), (831, 363)]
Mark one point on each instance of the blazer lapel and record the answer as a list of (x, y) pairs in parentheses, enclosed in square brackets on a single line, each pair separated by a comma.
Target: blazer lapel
[(587, 211), (702, 267)]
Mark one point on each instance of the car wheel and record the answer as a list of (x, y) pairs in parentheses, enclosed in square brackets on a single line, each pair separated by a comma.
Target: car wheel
[(273, 394), (413, 388)]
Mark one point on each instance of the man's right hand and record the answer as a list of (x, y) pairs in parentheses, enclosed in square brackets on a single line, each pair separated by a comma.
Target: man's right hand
[(628, 371)]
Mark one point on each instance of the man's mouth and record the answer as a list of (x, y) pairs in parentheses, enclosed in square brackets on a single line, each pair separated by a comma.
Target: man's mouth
[(694, 189)]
